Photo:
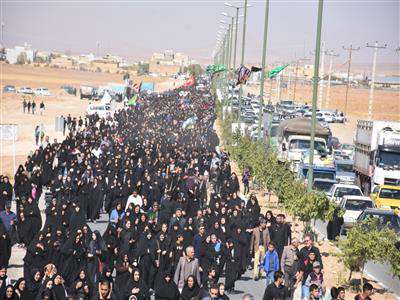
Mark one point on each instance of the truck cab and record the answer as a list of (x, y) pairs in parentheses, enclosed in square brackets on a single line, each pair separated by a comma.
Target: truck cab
[(293, 148), (377, 154), (294, 140)]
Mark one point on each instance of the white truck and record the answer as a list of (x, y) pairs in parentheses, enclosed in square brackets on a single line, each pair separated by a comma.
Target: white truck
[(377, 154), (294, 140)]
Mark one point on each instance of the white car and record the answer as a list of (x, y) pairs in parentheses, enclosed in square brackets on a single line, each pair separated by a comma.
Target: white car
[(325, 116), (353, 206), (348, 149), (25, 90), (42, 92), (339, 190)]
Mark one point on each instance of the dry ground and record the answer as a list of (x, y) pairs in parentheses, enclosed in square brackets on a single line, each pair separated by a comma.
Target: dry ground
[(58, 104), (386, 104)]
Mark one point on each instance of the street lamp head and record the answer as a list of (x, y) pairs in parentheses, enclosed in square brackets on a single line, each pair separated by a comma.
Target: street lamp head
[(228, 4), (225, 14)]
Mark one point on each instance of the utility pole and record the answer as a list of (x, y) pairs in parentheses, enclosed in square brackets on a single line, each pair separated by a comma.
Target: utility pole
[(350, 49), (314, 98), (371, 89), (331, 55), (278, 87), (98, 49), (321, 78), (263, 60), (296, 76)]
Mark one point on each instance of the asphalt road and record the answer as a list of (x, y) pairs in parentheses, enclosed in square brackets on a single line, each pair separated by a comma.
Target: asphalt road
[(245, 285), (377, 271)]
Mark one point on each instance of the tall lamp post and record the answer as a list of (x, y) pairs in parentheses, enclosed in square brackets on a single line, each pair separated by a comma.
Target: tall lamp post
[(315, 95), (245, 6), (263, 59)]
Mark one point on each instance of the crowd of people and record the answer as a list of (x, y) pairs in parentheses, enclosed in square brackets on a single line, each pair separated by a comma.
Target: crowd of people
[(176, 223)]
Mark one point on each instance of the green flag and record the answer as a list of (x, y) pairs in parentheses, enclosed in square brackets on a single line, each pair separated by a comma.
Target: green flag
[(132, 102), (276, 71), (212, 69)]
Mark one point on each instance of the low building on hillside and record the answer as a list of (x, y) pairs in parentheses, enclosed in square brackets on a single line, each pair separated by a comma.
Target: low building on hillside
[(61, 61), (20, 54), (168, 63)]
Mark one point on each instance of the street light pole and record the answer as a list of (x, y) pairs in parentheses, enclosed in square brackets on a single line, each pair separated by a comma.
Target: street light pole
[(242, 58), (371, 89), (230, 44), (236, 36), (264, 51), (314, 98)]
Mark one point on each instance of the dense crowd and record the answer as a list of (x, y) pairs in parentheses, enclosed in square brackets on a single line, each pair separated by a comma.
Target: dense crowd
[(176, 222)]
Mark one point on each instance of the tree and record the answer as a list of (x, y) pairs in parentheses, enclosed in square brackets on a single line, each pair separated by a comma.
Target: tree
[(368, 241), (195, 70), (22, 58)]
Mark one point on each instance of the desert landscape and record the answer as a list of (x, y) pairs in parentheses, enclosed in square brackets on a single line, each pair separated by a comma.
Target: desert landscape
[(60, 103)]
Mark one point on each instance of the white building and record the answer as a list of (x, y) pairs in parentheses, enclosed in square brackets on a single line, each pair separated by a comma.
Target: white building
[(13, 53)]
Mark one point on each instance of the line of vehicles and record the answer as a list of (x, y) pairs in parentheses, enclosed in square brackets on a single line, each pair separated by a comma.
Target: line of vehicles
[(361, 178), (40, 91)]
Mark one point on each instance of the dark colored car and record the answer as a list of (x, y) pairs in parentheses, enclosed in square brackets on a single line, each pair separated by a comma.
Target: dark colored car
[(69, 89), (385, 217), (9, 89)]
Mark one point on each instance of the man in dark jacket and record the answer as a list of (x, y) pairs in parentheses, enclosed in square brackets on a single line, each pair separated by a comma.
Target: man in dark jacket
[(281, 234), (276, 290)]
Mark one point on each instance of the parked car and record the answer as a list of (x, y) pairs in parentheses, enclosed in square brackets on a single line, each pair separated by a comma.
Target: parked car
[(25, 90), (344, 171), (339, 190), (353, 206), (69, 89), (326, 116), (384, 217), (42, 91), (348, 149), (386, 196), (339, 117), (9, 89)]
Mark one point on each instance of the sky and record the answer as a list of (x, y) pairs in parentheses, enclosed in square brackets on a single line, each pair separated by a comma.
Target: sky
[(136, 28)]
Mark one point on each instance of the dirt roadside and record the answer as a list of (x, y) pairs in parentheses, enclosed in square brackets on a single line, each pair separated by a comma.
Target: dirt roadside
[(335, 274)]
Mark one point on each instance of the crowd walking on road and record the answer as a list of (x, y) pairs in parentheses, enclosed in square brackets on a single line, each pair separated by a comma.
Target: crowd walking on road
[(178, 226)]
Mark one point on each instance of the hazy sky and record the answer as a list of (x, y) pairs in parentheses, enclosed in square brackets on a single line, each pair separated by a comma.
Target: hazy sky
[(135, 29)]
